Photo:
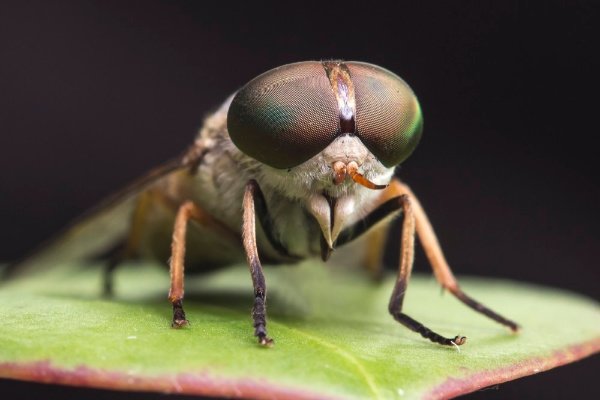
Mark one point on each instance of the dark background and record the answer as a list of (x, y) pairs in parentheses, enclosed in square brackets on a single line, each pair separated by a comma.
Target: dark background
[(93, 94)]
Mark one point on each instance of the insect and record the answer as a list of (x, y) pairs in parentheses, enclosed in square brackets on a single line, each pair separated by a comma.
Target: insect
[(302, 158)]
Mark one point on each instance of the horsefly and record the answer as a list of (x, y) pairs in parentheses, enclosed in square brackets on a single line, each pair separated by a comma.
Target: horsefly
[(311, 145)]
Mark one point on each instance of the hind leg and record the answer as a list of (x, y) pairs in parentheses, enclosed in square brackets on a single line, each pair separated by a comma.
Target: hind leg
[(146, 203)]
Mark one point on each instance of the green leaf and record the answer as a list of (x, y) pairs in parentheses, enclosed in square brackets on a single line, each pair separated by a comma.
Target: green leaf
[(333, 335)]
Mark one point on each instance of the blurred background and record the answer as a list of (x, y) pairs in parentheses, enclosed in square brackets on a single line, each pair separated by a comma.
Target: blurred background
[(95, 93)]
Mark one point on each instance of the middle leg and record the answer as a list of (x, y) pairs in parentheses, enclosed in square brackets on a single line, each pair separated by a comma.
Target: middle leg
[(186, 212)]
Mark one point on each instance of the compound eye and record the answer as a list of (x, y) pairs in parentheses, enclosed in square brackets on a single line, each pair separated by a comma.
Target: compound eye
[(285, 116), (388, 116)]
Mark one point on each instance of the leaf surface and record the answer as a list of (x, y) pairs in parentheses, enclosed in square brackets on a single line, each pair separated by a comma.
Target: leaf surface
[(333, 335)]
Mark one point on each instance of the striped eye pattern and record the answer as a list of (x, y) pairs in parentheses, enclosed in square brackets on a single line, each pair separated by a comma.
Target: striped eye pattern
[(287, 115)]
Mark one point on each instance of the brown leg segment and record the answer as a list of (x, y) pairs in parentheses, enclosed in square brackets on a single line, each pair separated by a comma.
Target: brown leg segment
[(131, 246), (406, 262), (186, 212), (376, 240), (438, 262), (259, 310)]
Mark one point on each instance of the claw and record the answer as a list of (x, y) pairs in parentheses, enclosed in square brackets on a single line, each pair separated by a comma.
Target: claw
[(459, 340), (265, 341), (180, 323)]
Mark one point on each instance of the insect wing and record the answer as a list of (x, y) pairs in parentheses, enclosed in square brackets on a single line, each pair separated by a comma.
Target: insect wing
[(97, 231)]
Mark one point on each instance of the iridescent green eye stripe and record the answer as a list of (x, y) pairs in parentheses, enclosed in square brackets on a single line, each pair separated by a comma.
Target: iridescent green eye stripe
[(417, 122)]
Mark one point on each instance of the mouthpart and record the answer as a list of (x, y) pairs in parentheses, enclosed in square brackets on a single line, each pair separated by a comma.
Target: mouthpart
[(341, 171)]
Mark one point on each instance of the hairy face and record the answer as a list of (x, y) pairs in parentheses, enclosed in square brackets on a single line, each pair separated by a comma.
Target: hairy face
[(317, 175)]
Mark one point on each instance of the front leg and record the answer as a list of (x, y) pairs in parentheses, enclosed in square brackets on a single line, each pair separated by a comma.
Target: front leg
[(394, 203), (398, 199), (438, 262), (407, 250), (259, 310)]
